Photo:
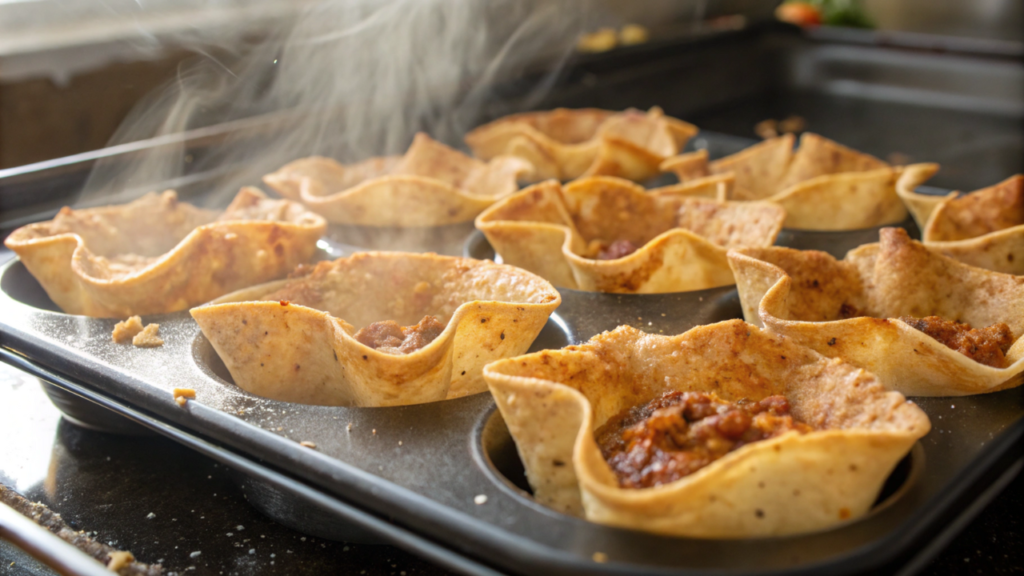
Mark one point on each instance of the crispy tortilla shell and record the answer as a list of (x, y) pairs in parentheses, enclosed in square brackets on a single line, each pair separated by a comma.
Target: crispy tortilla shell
[(984, 228), (432, 185), (564, 144), (823, 186), (849, 309), (179, 256), (682, 234), (292, 340), (552, 401)]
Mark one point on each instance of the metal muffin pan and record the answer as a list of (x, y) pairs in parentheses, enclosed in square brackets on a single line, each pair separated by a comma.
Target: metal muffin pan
[(422, 467)]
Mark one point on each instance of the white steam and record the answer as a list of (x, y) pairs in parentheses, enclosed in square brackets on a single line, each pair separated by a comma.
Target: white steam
[(346, 79)]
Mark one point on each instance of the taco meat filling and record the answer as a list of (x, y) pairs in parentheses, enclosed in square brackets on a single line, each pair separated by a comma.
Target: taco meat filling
[(390, 338), (985, 345), (681, 432), (613, 251)]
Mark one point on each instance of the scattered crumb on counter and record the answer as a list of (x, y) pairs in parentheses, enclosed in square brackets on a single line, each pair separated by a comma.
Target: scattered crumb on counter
[(119, 559), (349, 427), (182, 395), (399, 442), (480, 499), (308, 444), (600, 557), (126, 330), (148, 337), (122, 562), (374, 431)]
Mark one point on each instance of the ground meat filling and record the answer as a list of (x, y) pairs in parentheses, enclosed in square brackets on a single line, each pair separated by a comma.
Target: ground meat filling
[(985, 345), (681, 432), (613, 251), (390, 338)]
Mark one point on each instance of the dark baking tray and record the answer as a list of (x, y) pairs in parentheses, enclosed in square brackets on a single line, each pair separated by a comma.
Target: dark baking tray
[(362, 485), (455, 450)]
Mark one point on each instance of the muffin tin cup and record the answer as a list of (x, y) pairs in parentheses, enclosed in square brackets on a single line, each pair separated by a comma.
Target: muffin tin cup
[(425, 467)]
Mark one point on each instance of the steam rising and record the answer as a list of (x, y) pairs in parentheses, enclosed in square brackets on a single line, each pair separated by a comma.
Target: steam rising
[(346, 79)]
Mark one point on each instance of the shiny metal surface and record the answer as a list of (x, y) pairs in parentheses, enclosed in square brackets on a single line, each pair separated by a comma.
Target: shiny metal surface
[(110, 484), (422, 465)]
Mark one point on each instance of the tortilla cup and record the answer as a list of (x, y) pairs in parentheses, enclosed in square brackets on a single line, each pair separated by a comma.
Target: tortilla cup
[(432, 185), (823, 185), (849, 309), (179, 255), (683, 235), (552, 401), (292, 340), (564, 144), (984, 228)]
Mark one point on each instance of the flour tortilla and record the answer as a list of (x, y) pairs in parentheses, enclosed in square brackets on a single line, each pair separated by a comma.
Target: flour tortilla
[(553, 400), (564, 144), (682, 234), (984, 228), (179, 256), (292, 340), (849, 309), (823, 185), (431, 185)]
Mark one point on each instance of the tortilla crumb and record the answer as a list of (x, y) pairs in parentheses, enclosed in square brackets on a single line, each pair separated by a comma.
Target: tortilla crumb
[(600, 557), (119, 559), (308, 444), (148, 337), (480, 499), (126, 330), (182, 395)]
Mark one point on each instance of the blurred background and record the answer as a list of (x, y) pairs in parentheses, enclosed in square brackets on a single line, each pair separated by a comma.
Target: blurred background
[(72, 70)]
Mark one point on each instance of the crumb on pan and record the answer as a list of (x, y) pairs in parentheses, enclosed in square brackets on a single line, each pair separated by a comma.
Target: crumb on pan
[(600, 41), (632, 34), (148, 337), (125, 330), (119, 559), (600, 557), (183, 395), (307, 444)]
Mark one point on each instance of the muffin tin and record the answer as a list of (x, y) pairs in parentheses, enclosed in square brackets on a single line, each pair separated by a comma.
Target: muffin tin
[(426, 468)]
